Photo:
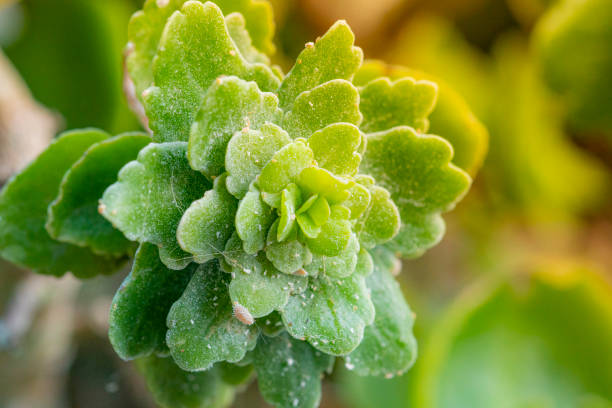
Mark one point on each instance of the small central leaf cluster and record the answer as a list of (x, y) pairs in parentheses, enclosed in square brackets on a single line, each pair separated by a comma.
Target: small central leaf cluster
[(268, 209)]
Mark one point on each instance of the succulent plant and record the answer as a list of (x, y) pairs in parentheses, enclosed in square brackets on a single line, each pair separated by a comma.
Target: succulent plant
[(269, 211)]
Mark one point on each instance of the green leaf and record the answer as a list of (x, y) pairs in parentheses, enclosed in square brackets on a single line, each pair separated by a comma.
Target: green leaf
[(151, 195), (284, 167), (416, 170), (23, 212), (381, 221), (253, 220), (174, 388), (146, 27), (271, 325), (451, 118), (331, 102), (335, 234), (404, 102), (315, 180), (388, 347), (339, 266), (335, 148), (332, 56), (230, 105), (208, 223), (291, 200), (237, 30), (202, 328), (258, 286), (194, 50), (331, 314), (289, 372), (288, 256), (73, 216), (359, 197), (248, 152), (137, 320)]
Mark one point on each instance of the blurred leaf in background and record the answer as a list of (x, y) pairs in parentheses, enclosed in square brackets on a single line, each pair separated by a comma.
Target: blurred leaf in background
[(69, 52)]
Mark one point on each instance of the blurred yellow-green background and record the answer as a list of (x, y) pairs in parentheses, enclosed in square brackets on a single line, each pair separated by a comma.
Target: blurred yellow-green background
[(514, 306)]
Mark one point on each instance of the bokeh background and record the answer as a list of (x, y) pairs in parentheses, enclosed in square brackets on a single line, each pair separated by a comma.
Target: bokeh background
[(514, 306)]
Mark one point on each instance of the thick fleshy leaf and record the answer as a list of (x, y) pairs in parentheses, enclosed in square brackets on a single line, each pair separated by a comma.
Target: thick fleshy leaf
[(194, 50), (291, 200), (416, 170), (248, 152), (284, 167), (385, 104), (259, 286), (380, 222), (271, 325), (230, 105), (359, 197), (335, 233), (288, 256), (174, 388), (208, 223), (236, 27), (289, 371), (331, 102), (23, 212), (332, 56), (388, 347), (331, 314), (146, 27), (137, 320), (420, 234), (151, 195), (451, 118), (339, 266), (73, 216), (315, 180), (202, 328), (253, 220), (335, 148)]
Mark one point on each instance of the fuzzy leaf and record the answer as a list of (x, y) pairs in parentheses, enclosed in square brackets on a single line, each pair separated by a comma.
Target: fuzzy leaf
[(335, 234), (137, 320), (146, 27), (23, 212), (288, 256), (271, 325), (315, 180), (253, 220), (259, 286), (387, 104), (381, 222), (208, 223), (73, 216), (339, 266), (229, 106), (331, 102), (248, 152), (332, 56), (416, 170), (202, 329), (174, 388), (331, 314), (234, 374), (359, 198), (151, 195), (388, 346), (237, 30), (291, 200), (335, 148), (284, 167), (194, 50), (289, 372)]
